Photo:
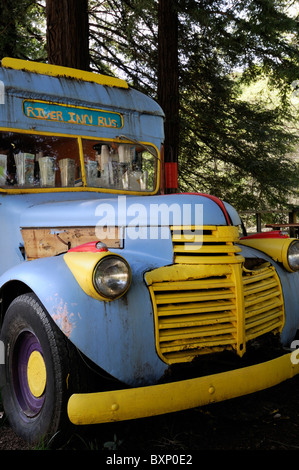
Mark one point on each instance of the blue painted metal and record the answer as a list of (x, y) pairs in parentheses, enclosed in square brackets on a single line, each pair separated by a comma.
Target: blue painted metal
[(121, 209), (143, 117), (132, 359), (118, 335), (86, 209), (94, 327)]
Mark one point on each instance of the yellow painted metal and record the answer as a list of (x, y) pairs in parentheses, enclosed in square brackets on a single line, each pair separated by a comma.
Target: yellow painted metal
[(193, 321), (240, 344), (58, 71), (119, 405), (277, 248), (82, 265), (207, 233), (205, 245), (263, 302), (202, 308), (234, 309), (36, 374), (81, 154), (217, 249), (182, 272), (187, 258)]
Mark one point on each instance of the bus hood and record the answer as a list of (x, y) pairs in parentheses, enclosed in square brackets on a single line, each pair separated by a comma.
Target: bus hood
[(108, 210)]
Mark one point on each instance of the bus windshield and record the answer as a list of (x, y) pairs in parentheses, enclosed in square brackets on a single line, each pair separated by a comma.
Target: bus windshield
[(29, 161), (127, 166)]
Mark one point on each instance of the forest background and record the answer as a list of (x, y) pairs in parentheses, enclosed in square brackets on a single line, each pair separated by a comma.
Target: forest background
[(225, 72)]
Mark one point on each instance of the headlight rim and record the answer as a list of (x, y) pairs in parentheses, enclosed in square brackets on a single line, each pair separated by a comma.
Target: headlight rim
[(113, 256), (291, 264)]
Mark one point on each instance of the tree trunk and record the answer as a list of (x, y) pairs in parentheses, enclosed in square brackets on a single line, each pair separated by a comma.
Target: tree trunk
[(8, 31), (168, 84), (68, 33)]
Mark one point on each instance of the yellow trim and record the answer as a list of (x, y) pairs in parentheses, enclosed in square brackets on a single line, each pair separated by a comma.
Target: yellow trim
[(220, 241), (271, 302), (181, 272), (58, 71), (174, 278), (274, 247), (119, 405), (64, 105), (240, 309), (82, 265), (184, 296), (80, 188), (81, 156)]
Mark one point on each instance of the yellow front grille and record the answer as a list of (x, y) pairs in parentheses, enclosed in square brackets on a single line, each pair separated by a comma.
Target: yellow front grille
[(208, 304), (263, 302), (209, 244)]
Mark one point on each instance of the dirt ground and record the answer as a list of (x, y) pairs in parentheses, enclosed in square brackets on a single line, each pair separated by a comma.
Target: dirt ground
[(267, 420)]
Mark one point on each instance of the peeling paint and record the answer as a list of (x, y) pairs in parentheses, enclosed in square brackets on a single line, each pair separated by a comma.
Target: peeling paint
[(64, 319)]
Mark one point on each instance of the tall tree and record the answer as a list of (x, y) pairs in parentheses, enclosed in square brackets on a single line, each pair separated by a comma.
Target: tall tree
[(67, 33), (233, 148), (141, 38), (124, 38), (168, 83), (20, 32)]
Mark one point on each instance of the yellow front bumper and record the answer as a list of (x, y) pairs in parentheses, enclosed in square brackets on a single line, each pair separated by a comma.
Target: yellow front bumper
[(120, 405)]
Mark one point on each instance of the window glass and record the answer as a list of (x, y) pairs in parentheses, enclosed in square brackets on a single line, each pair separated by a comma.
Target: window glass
[(28, 161), (130, 167), (33, 161)]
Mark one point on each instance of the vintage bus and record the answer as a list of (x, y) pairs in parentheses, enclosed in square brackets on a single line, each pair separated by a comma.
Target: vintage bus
[(120, 300)]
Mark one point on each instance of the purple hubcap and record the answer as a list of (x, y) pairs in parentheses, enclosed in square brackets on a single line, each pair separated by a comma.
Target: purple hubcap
[(26, 343)]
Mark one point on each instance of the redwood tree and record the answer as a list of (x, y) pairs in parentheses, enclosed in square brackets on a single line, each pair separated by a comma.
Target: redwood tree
[(67, 33), (168, 84)]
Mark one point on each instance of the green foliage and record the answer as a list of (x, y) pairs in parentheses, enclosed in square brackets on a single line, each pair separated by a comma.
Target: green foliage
[(235, 149), (124, 36), (21, 30), (231, 145)]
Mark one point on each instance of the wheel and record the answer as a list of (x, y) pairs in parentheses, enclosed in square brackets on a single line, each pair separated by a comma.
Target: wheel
[(38, 375)]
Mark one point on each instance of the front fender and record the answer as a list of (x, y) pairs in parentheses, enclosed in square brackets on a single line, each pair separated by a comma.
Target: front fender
[(117, 335)]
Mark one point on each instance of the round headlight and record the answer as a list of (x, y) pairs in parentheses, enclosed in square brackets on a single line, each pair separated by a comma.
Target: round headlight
[(293, 255), (112, 277)]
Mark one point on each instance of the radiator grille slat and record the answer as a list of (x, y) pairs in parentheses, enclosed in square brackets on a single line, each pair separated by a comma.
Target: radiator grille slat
[(263, 303), (209, 314)]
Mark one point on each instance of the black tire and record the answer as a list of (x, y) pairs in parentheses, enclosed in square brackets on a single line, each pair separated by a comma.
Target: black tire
[(36, 407)]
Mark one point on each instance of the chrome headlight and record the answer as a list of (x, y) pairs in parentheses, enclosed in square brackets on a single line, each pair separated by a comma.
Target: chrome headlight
[(112, 277), (293, 255)]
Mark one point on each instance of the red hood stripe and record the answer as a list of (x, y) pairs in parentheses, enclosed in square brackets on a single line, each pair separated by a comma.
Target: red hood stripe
[(217, 201)]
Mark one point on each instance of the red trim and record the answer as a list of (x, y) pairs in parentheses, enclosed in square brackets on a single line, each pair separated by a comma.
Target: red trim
[(90, 246), (272, 234), (217, 201), (171, 175)]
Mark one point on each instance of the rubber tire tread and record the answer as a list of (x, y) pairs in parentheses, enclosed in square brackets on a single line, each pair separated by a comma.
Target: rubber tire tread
[(63, 375)]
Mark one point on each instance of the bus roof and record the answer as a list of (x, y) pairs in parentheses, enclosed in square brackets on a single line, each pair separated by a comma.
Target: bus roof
[(22, 80)]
